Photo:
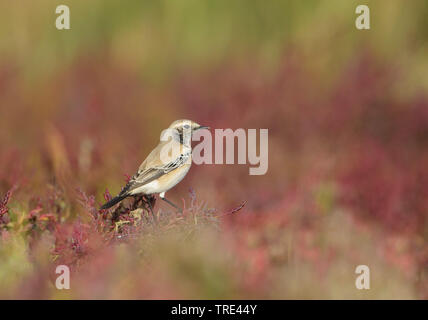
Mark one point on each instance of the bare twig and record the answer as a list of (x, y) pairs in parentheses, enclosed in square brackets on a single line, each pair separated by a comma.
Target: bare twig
[(234, 210)]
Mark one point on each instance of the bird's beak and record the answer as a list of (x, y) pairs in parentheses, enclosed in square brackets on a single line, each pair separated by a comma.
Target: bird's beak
[(203, 127)]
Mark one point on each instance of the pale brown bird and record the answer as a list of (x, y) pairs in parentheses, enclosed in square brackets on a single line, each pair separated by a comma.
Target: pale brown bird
[(165, 166)]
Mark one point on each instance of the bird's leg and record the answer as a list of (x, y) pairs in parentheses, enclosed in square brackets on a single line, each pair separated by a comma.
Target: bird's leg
[(149, 202), (172, 204)]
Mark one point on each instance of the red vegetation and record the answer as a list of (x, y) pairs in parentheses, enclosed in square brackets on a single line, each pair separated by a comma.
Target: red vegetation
[(347, 182)]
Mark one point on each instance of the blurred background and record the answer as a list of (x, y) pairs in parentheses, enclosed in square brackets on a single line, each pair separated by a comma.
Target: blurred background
[(347, 113)]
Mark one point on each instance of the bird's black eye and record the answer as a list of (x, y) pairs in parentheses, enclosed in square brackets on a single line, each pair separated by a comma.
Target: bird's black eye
[(186, 126)]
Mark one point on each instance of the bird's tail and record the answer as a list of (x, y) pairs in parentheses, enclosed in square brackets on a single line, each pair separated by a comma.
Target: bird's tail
[(113, 201)]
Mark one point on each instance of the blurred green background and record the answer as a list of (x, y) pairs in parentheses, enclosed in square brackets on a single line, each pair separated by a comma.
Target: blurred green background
[(155, 38)]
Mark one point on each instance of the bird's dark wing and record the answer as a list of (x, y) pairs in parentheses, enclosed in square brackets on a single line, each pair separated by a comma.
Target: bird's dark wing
[(147, 175)]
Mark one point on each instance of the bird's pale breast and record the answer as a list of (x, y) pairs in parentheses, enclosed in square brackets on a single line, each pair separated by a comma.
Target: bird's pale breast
[(165, 182)]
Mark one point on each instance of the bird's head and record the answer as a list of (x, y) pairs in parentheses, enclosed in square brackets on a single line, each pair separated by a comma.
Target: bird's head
[(183, 130), (186, 125)]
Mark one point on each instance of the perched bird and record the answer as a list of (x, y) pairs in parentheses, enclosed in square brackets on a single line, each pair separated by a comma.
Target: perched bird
[(165, 166)]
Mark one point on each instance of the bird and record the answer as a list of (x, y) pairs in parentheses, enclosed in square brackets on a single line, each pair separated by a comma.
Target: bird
[(162, 170)]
